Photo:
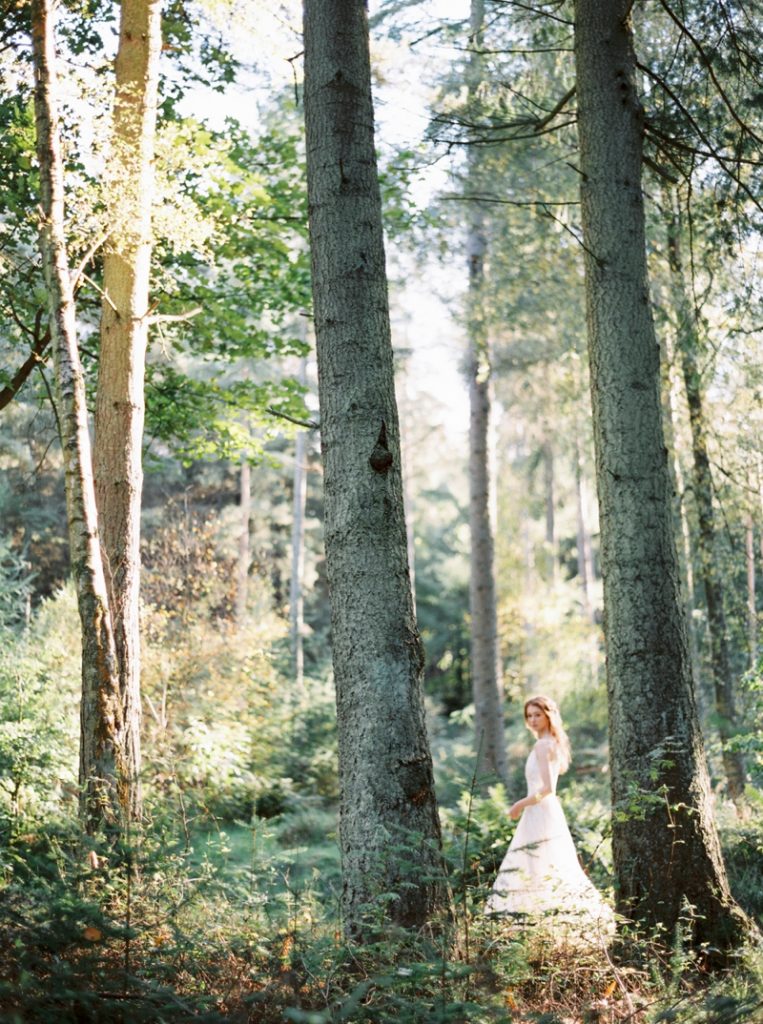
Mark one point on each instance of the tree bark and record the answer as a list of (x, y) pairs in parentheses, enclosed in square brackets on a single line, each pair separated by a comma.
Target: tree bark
[(104, 774), (548, 488), (665, 844), (485, 656), (119, 410), (387, 797), (689, 344)]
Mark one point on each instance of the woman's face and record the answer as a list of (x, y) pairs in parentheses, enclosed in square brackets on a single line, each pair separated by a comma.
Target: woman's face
[(537, 719)]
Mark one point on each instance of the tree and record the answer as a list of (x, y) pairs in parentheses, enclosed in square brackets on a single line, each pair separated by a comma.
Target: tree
[(387, 790), (689, 347), (665, 845), (125, 315), (104, 772), (486, 673)]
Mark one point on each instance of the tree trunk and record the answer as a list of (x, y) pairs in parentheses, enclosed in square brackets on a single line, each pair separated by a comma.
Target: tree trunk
[(104, 775), (124, 332), (583, 540), (752, 613), (684, 549), (244, 545), (688, 348), (486, 672), (389, 828), (665, 845), (548, 490), (296, 598)]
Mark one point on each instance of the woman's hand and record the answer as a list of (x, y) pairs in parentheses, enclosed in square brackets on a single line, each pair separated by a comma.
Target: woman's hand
[(515, 811)]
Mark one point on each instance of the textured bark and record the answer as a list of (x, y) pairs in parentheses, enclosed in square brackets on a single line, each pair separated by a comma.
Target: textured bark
[(665, 845), (124, 332), (485, 655), (296, 597), (103, 773), (387, 789), (244, 545), (689, 344)]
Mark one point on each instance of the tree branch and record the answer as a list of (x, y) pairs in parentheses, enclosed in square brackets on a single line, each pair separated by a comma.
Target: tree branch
[(307, 424)]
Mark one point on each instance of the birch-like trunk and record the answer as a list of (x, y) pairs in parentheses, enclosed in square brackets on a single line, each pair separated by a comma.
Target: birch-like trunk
[(389, 828), (689, 343), (485, 656), (665, 844), (119, 410), (104, 775), (583, 540), (548, 491)]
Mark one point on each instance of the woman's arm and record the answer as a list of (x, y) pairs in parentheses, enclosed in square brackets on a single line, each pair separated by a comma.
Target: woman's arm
[(543, 753)]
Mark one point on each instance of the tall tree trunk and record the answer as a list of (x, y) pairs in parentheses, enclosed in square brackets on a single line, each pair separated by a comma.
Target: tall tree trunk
[(104, 775), (684, 549), (124, 332), (665, 844), (296, 597), (387, 788), (548, 489), (486, 673), (583, 540), (688, 349), (752, 613), (244, 541)]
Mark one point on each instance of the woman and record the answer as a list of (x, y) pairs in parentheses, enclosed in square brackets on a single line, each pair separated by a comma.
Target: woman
[(540, 873)]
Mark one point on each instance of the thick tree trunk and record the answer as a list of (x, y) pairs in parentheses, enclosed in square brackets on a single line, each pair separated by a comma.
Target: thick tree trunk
[(244, 541), (665, 845), (296, 597), (688, 349), (104, 775), (486, 672), (124, 332), (389, 828)]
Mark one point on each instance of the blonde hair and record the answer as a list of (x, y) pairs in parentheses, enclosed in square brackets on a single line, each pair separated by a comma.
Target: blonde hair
[(551, 710)]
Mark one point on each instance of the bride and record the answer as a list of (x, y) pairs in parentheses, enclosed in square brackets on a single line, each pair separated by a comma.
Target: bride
[(540, 873)]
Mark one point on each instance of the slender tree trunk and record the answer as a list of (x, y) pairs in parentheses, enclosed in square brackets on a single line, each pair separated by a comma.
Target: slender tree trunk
[(665, 845), (486, 672), (752, 613), (583, 540), (548, 488), (688, 349), (296, 598), (244, 541), (104, 774), (124, 332), (681, 516), (385, 767)]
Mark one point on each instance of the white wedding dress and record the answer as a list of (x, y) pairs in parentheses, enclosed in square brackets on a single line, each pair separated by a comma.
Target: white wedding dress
[(541, 874)]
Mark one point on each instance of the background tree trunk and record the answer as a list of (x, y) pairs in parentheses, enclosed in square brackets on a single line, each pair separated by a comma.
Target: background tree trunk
[(104, 773), (688, 349), (296, 597), (387, 791), (124, 332), (752, 613), (665, 845), (486, 672)]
